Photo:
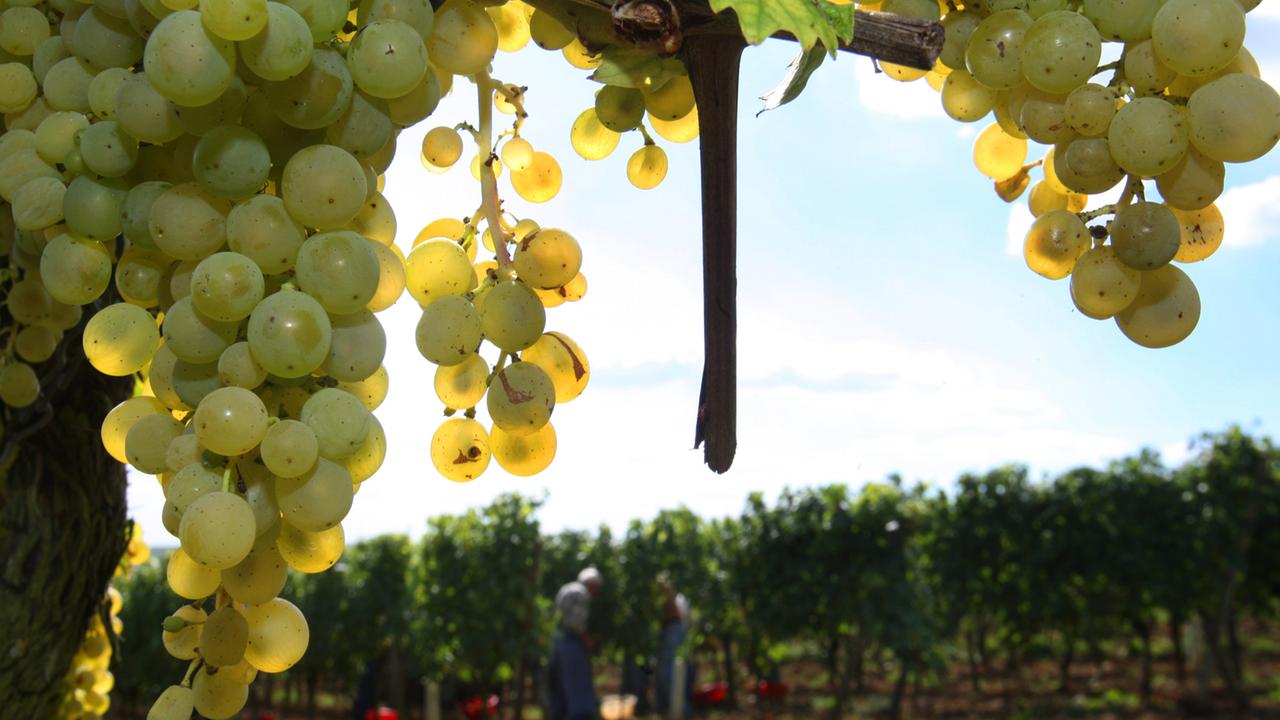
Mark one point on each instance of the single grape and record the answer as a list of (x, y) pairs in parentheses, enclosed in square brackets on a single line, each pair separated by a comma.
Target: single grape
[(318, 499), (309, 552), (442, 146), (540, 181), (525, 455), (226, 286), (965, 99), (449, 330), (278, 635), (1197, 37), (564, 362), (1053, 244), (1201, 233), (647, 167), (1060, 51), (590, 138), (217, 530), (460, 449), (1165, 311), (231, 421), (1235, 118), (289, 334), (1193, 183), (464, 39)]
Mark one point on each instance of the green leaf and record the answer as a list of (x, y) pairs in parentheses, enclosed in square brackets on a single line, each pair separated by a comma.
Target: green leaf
[(807, 20), (798, 72), (638, 69), (841, 17)]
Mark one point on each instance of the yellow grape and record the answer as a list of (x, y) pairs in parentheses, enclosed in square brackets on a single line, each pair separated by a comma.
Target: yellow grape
[(1165, 311), (577, 55), (366, 460), (442, 146), (309, 552), (1102, 285), (590, 138), (1054, 243), (463, 385), (997, 155), (540, 181), (563, 361), (259, 577), (680, 130), (524, 455), (647, 167), (218, 696), (1201, 233), (517, 154), (318, 499), (118, 422), (460, 449), (450, 228), (223, 639), (548, 258), (183, 642), (189, 579), (217, 530), (437, 268)]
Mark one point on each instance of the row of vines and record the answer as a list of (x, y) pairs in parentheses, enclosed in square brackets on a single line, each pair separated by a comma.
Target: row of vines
[(927, 582)]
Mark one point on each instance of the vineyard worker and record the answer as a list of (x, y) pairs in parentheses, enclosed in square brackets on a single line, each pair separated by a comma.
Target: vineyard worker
[(573, 694), (675, 628)]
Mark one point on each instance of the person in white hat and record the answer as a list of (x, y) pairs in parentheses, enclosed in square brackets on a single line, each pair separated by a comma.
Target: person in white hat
[(573, 695)]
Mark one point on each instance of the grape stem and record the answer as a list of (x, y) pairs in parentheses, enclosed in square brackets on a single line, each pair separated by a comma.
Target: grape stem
[(485, 86), (1132, 187), (191, 670)]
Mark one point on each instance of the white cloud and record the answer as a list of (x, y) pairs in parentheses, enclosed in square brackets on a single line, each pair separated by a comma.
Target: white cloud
[(882, 94), (1251, 212)]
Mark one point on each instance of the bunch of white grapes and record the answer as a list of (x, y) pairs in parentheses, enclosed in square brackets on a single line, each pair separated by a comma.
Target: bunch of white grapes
[(1183, 99), (89, 680), (201, 179)]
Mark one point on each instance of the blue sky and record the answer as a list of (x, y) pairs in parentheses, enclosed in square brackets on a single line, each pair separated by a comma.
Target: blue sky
[(885, 323)]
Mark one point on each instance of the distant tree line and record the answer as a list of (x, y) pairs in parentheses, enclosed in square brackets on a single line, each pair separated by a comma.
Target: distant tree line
[(980, 576)]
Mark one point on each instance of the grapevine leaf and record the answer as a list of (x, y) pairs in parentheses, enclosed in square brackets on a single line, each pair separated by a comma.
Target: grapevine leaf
[(638, 69), (798, 72), (805, 19), (841, 17)]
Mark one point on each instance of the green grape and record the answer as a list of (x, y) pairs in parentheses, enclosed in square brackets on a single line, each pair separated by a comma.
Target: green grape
[(511, 316), (194, 381), (376, 221), (278, 635), (117, 423), (563, 361), (672, 100), (144, 113), (290, 448), (231, 421), (357, 348), (261, 229), (175, 703), (364, 128), (226, 110), (138, 275), (1145, 235), (418, 104), (339, 269), (107, 150), (147, 442), (259, 577), (437, 268), (994, 52), (161, 376), (548, 258), (1125, 20), (234, 19), (188, 222), (460, 449), (442, 146), (540, 181), (1200, 233), (19, 386), (22, 29), (38, 203), (391, 277), (959, 26), (1195, 182), (17, 87), (1060, 52), (231, 161), (120, 339), (192, 336), (325, 18), (191, 483), (1102, 285), (20, 168), (36, 344), (521, 398), (590, 138), (194, 582), (525, 455), (1165, 311), (289, 334), (315, 97), (103, 89), (1089, 109), (365, 461), (1144, 70), (619, 108), (282, 49), (47, 53), (135, 216), (1053, 244), (92, 206), (1197, 37), (185, 62), (548, 32), (260, 493), (463, 385), (646, 168), (237, 368), (182, 642), (105, 41), (464, 39), (371, 391), (388, 58), (449, 330), (1243, 62), (28, 118), (1148, 137), (75, 270), (226, 286), (324, 187), (996, 154), (417, 13), (56, 135), (339, 420), (219, 696), (318, 499), (183, 450), (965, 99), (224, 637), (179, 277), (217, 530), (310, 552), (1086, 166), (1042, 117), (1235, 118)]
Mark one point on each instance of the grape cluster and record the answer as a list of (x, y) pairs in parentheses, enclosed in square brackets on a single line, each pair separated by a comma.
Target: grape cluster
[(89, 680), (1183, 99)]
